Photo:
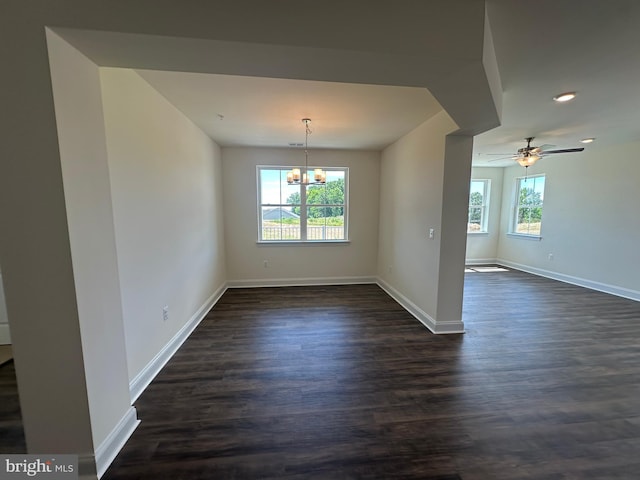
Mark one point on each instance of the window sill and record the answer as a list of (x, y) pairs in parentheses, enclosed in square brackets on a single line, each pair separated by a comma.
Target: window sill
[(535, 238), (299, 242), (478, 233)]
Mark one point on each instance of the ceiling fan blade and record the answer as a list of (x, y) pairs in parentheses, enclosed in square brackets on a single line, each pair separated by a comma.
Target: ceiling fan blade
[(565, 150), (508, 157), (544, 147)]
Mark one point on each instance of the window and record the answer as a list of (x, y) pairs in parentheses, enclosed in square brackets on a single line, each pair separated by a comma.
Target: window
[(302, 213), (478, 206), (527, 218)]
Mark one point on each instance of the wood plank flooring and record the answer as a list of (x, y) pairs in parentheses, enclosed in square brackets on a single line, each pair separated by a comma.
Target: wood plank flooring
[(11, 432), (6, 354), (340, 382)]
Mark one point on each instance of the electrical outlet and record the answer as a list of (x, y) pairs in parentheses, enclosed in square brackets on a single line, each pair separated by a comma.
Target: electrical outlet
[(432, 232), (550, 256), (165, 313), (266, 264)]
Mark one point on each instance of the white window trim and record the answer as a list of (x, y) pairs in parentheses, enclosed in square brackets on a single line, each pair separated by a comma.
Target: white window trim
[(514, 212), (303, 206), (484, 224), (525, 236)]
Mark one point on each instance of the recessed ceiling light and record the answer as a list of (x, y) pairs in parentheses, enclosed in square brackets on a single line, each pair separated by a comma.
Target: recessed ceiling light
[(587, 140), (565, 97)]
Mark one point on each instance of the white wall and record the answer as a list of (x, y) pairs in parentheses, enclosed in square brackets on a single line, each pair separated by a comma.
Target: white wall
[(166, 186), (411, 202), (590, 221), (453, 229), (302, 263), (483, 247), (35, 250), (79, 117)]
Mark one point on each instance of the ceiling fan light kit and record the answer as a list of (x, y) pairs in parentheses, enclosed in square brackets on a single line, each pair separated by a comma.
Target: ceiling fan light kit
[(533, 154), (527, 156), (527, 160)]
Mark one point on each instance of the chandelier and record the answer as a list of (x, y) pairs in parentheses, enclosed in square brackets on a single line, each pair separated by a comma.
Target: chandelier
[(319, 176)]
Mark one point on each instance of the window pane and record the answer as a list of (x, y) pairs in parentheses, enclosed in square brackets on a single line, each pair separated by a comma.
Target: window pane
[(274, 189), (336, 176), (523, 220), (289, 194), (475, 219), (326, 221), (269, 186), (475, 198), (528, 219), (332, 193), (538, 190), (478, 199), (476, 193), (317, 195), (322, 224), (280, 223), (282, 216), (531, 191)]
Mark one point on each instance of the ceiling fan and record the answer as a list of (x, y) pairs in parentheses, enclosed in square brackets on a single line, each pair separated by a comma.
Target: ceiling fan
[(529, 155)]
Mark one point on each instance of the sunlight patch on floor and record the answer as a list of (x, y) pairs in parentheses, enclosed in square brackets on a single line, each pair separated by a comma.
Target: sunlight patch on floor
[(485, 269)]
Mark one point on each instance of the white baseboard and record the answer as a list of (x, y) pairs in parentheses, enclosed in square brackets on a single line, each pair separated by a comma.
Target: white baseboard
[(299, 282), (480, 261), (5, 334), (581, 282), (433, 325), (149, 372), (111, 446)]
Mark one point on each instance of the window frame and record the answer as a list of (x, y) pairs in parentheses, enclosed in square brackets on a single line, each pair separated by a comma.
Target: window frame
[(513, 227), (303, 205), (484, 207)]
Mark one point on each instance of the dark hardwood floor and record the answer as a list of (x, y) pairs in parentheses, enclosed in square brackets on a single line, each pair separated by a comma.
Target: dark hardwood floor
[(11, 432), (341, 383)]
